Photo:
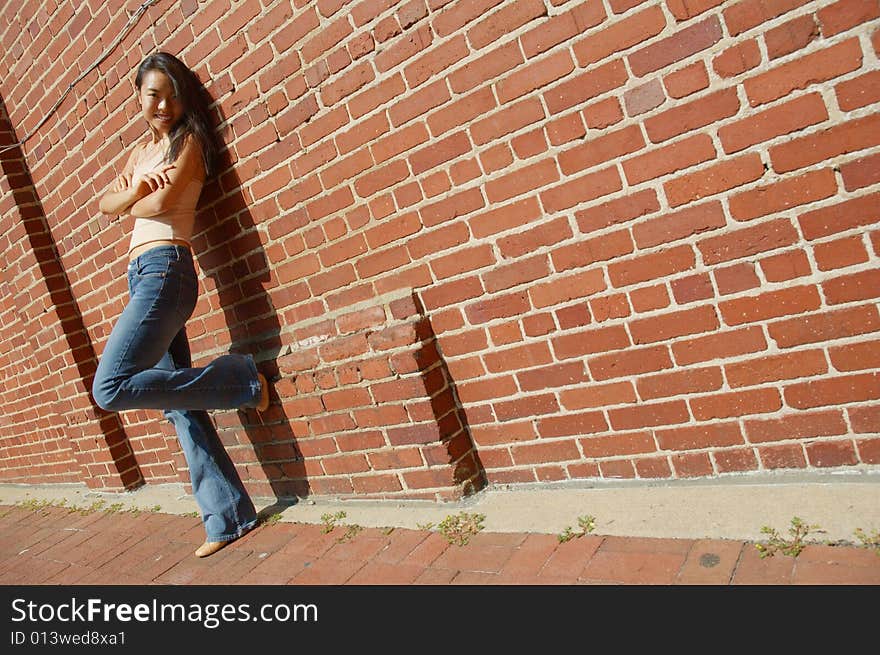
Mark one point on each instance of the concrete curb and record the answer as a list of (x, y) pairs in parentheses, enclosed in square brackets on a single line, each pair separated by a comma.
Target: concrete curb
[(733, 507)]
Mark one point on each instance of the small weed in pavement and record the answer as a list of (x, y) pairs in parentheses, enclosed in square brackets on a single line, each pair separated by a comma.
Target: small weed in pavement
[(458, 528), (791, 546), (586, 523), (871, 540)]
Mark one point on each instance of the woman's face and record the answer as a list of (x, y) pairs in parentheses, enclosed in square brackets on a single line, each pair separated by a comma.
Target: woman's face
[(159, 104)]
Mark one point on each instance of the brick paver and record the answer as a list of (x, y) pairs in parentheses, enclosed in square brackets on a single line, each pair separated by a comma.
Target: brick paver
[(56, 546)]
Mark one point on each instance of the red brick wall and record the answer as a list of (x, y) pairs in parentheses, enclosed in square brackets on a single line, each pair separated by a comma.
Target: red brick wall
[(477, 241)]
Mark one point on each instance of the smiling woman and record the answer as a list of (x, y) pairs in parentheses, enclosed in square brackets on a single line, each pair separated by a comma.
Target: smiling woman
[(146, 361)]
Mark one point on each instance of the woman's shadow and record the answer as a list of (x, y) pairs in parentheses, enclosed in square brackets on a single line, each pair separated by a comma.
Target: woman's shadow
[(231, 254)]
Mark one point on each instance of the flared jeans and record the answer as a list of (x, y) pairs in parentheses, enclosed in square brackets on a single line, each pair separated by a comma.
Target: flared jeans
[(146, 364)]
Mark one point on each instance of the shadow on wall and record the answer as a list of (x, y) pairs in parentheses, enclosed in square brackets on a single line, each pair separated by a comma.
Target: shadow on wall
[(43, 247), (230, 252)]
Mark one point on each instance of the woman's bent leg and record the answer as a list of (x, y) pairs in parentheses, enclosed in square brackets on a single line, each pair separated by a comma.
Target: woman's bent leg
[(163, 287)]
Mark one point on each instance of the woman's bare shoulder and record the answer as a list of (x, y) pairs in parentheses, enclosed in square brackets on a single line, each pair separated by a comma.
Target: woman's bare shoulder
[(190, 157)]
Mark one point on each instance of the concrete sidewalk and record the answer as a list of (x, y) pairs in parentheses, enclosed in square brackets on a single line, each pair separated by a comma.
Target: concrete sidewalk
[(692, 532)]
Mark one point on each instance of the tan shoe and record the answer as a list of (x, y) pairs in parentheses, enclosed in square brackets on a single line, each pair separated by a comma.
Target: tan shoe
[(210, 547), (264, 393)]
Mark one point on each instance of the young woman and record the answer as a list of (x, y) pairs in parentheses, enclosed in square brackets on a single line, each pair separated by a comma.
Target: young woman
[(146, 362)]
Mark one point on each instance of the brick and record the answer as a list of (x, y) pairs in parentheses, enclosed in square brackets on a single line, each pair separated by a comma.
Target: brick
[(683, 10), (855, 357), (493, 64), (831, 453), (715, 179), (846, 14), (735, 244), (679, 382), (631, 443), (629, 362), (556, 29), (607, 247), (825, 326), (653, 467), (736, 460), (842, 138), (789, 366), (452, 19), (555, 375), (685, 42), (581, 189), (692, 465), (840, 253), (737, 403), (557, 451), (435, 60), (652, 266), (858, 92), (503, 306), (747, 14), (693, 115), (591, 341), (583, 87), (509, 119), (521, 181), (519, 357), (701, 436), (710, 562), (566, 563), (687, 80), (675, 324), (630, 206), (737, 59), (419, 102), (649, 298), (528, 241), (668, 159), (774, 198), (840, 217), (534, 76), (797, 426), (648, 415), (869, 449), (602, 114), (406, 47), (801, 73), (782, 119), (786, 266), (852, 287), (571, 424), (793, 300), (620, 36), (833, 391), (644, 98), (609, 307), (791, 36), (861, 172), (598, 395), (602, 149), (692, 288)]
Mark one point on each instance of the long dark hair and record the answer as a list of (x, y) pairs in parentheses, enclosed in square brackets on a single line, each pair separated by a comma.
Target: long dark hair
[(195, 101)]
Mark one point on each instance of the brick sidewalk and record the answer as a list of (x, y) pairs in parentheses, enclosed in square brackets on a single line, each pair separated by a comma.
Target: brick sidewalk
[(55, 546)]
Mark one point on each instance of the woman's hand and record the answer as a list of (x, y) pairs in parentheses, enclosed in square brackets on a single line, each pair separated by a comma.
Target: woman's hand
[(122, 183), (152, 180)]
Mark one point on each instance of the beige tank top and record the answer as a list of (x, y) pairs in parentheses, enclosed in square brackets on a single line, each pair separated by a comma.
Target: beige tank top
[(174, 225)]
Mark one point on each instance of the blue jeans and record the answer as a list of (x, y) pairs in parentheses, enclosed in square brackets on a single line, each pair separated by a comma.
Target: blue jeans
[(146, 364)]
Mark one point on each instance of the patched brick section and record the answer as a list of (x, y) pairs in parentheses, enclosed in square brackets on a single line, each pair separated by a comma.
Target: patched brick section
[(379, 413)]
